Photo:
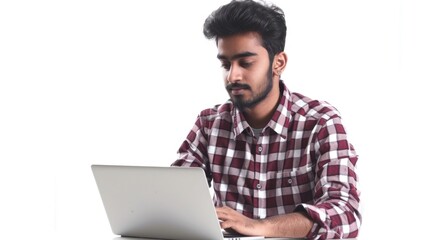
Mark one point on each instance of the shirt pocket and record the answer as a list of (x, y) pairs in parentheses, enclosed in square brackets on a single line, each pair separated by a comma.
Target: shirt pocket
[(299, 181)]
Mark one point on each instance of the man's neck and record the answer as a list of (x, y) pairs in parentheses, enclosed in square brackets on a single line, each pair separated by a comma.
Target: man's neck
[(259, 115)]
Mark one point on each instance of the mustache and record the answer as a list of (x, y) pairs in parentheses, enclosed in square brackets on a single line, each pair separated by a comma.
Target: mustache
[(232, 86)]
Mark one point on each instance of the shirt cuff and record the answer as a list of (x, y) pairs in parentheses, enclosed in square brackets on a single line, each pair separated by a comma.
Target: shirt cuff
[(317, 215)]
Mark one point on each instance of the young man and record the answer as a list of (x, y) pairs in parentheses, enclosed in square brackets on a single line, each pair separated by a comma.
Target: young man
[(280, 162)]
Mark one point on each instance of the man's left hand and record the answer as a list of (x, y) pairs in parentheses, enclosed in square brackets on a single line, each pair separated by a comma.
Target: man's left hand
[(231, 219)]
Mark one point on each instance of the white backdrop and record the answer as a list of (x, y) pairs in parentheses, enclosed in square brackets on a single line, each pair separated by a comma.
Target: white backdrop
[(121, 82)]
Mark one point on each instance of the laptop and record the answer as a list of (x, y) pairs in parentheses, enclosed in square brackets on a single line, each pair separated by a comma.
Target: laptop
[(159, 202)]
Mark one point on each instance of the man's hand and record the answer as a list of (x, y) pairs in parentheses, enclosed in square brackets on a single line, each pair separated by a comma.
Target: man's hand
[(231, 219), (294, 225)]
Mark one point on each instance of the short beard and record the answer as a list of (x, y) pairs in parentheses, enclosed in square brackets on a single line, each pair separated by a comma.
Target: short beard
[(242, 104)]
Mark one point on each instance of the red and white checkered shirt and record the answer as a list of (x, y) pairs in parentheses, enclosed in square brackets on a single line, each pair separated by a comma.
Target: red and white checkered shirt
[(302, 160)]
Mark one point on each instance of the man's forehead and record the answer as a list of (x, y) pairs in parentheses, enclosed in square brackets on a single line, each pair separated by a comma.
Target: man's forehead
[(244, 45)]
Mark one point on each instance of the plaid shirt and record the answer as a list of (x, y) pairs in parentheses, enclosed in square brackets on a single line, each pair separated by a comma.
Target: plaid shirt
[(301, 161)]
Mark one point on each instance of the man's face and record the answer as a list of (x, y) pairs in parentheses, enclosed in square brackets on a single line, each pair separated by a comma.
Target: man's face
[(247, 69)]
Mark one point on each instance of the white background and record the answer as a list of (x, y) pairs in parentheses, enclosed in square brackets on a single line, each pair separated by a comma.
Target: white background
[(121, 82)]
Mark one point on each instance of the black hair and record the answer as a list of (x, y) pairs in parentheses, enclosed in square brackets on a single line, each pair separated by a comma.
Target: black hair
[(241, 16)]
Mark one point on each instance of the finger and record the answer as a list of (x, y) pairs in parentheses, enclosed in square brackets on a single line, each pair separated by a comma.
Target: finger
[(226, 224), (222, 216), (222, 212)]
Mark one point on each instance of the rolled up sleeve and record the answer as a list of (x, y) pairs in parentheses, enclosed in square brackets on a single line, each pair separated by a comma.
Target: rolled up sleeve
[(335, 211)]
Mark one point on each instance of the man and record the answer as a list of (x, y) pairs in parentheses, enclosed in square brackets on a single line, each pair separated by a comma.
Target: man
[(280, 163)]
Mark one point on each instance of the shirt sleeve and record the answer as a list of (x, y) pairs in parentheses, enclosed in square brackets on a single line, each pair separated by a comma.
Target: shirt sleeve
[(193, 151), (336, 198)]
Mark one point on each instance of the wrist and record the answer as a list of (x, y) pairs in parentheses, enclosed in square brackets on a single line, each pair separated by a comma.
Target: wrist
[(262, 226)]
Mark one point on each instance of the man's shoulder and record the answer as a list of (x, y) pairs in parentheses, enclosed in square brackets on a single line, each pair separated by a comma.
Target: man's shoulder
[(219, 111), (311, 108)]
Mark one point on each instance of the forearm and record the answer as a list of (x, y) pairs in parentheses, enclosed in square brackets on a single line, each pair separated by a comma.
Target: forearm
[(295, 225)]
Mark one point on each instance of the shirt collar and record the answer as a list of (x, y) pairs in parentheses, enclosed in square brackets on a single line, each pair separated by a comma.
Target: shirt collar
[(280, 120)]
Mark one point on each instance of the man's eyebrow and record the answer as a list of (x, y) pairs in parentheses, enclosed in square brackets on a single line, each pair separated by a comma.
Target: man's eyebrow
[(237, 56)]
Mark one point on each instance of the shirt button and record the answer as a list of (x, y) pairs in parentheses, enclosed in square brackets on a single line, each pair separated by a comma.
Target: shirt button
[(258, 186), (260, 148), (289, 181)]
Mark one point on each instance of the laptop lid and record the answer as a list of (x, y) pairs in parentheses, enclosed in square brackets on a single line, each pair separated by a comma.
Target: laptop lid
[(157, 202)]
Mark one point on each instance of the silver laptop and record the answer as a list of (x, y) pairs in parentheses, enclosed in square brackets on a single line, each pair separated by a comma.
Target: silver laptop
[(159, 202)]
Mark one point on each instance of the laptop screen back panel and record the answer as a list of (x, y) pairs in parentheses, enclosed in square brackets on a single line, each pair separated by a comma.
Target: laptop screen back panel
[(157, 202)]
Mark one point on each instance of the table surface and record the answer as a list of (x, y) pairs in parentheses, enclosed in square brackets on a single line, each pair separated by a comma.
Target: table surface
[(129, 238)]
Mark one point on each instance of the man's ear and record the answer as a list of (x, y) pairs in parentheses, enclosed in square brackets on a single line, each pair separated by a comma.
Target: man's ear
[(279, 63)]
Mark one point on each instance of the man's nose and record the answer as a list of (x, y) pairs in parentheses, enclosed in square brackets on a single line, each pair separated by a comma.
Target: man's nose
[(234, 74)]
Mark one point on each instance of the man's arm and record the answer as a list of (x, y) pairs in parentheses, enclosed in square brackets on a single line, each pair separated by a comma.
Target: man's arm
[(294, 225), (335, 210), (193, 151)]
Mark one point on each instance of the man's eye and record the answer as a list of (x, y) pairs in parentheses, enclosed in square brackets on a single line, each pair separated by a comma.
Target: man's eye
[(245, 64), (226, 66)]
